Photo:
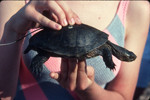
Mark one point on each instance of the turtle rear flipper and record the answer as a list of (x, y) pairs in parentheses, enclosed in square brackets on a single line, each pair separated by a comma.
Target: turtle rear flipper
[(36, 66), (121, 53)]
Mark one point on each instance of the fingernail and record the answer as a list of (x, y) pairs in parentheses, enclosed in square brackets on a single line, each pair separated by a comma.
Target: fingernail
[(72, 21), (64, 22), (57, 26), (78, 21)]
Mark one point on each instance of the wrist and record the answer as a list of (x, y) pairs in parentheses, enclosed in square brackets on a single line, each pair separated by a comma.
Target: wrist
[(9, 35), (91, 92)]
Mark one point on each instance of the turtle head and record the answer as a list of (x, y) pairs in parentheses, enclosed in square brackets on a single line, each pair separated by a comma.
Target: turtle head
[(130, 56)]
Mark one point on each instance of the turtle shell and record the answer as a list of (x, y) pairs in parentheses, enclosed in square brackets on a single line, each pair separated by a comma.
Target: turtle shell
[(70, 41)]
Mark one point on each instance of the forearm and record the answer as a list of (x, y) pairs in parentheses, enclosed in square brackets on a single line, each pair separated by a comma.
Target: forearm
[(9, 64), (95, 92)]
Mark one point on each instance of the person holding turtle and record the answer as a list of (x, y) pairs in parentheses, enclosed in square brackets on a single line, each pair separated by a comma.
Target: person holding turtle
[(68, 79)]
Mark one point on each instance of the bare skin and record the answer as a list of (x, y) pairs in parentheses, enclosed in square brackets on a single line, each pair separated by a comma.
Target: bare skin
[(80, 78), (16, 26)]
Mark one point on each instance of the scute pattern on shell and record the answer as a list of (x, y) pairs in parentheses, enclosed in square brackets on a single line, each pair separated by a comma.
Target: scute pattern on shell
[(75, 41)]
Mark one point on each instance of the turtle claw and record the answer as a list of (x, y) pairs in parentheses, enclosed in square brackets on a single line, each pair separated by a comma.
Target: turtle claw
[(111, 66), (36, 70)]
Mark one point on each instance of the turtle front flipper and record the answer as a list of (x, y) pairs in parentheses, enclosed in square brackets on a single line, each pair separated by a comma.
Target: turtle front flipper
[(36, 66), (121, 53), (107, 57)]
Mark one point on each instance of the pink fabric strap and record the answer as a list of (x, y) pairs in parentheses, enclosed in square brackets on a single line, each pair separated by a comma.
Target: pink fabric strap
[(122, 10), (30, 87)]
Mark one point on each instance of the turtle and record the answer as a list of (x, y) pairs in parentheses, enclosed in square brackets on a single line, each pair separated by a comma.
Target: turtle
[(75, 41)]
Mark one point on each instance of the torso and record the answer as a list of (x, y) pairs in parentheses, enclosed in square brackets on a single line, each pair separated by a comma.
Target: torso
[(105, 12), (107, 20)]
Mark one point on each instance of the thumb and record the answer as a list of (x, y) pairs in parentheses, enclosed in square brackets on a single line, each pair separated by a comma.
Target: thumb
[(54, 75)]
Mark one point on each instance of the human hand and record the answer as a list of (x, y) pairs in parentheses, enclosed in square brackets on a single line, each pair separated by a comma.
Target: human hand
[(74, 75), (49, 13)]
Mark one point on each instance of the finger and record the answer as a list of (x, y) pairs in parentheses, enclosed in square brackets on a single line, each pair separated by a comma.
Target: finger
[(54, 17), (83, 80), (82, 66), (39, 18), (64, 68), (63, 73), (90, 72), (50, 15), (77, 20), (72, 18), (72, 75), (58, 11), (55, 76)]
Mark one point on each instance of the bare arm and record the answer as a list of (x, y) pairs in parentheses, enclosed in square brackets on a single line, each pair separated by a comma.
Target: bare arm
[(16, 19), (137, 25), (10, 55)]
